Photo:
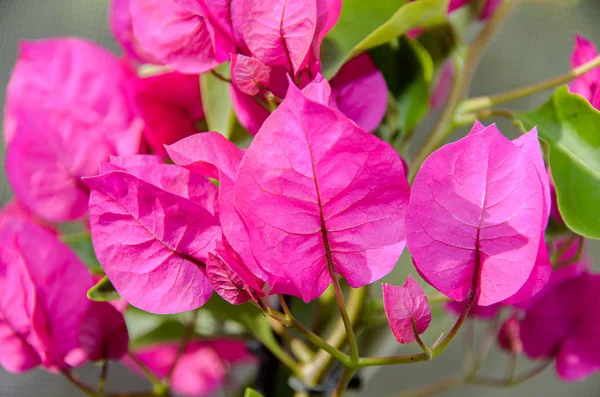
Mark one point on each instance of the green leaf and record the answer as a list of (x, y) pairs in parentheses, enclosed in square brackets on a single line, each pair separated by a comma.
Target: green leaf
[(216, 101), (103, 291), (81, 244), (252, 393), (570, 126), (364, 25)]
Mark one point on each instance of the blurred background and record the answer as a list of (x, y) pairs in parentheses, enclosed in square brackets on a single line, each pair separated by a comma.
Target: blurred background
[(533, 45)]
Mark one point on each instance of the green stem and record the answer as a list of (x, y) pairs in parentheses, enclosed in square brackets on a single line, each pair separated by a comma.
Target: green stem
[(324, 359), (482, 381), (468, 119), (463, 75), (339, 297), (159, 387), (433, 389), (78, 383), (474, 104), (344, 381), (185, 339), (436, 351), (102, 379), (220, 76)]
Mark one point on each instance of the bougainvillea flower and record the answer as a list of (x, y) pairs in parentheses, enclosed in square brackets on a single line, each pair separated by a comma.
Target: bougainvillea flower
[(250, 113), (248, 74), (170, 105), (509, 337), (43, 288), (476, 215), (202, 368), (565, 324), (407, 309), (230, 278), (319, 196), (588, 85), (481, 312), (103, 333), (157, 259), (183, 38), (360, 92), (211, 155), (67, 113), (119, 20), (279, 32)]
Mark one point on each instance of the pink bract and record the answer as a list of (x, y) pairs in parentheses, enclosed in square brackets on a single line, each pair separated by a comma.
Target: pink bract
[(279, 32), (67, 113), (249, 74), (565, 324), (201, 369), (42, 299), (509, 337), (475, 217), (250, 114), (407, 309), (319, 196), (181, 38), (157, 259), (360, 92), (588, 85), (170, 105), (103, 333), (119, 20)]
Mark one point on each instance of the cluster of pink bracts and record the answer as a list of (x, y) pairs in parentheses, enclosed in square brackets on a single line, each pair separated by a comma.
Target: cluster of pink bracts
[(314, 196)]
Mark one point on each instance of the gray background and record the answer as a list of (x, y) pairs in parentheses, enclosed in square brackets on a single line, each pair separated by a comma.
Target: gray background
[(535, 44)]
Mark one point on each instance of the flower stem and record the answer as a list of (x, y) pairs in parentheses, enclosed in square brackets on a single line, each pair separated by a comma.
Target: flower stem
[(483, 381), (159, 387), (344, 381), (474, 104), (78, 383), (102, 379), (185, 339), (463, 75), (434, 388), (339, 297), (220, 76)]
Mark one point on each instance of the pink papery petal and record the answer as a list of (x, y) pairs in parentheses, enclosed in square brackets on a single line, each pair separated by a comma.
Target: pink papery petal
[(318, 90), (103, 333), (170, 105), (249, 112), (156, 259), (119, 20), (319, 195), (360, 92), (200, 370), (211, 155), (226, 282), (407, 309), (43, 297), (279, 32), (475, 217), (480, 312), (587, 85), (564, 323), (177, 37), (509, 337), (249, 74)]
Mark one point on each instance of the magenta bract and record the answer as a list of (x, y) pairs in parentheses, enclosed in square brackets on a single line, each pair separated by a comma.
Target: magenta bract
[(43, 289), (564, 323), (360, 92), (249, 75), (170, 105), (103, 333), (181, 38), (407, 309), (476, 215), (157, 259), (509, 337), (588, 85), (119, 20), (318, 196), (202, 368), (66, 113)]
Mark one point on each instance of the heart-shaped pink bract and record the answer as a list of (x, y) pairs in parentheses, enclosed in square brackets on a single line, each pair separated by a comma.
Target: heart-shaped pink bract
[(152, 229), (202, 368), (406, 309), (319, 196), (588, 85), (476, 216), (360, 92), (103, 333), (43, 288), (170, 105), (279, 32), (564, 323), (182, 38), (66, 112), (249, 75)]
